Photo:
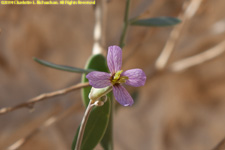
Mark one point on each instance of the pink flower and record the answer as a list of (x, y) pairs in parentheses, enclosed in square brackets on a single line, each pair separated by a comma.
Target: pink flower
[(132, 77)]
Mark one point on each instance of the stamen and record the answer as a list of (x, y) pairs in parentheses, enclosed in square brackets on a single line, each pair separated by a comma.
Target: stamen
[(117, 79), (123, 79), (117, 75)]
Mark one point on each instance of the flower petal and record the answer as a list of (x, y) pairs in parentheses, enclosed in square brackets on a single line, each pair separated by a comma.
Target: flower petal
[(122, 96), (99, 79), (114, 58), (136, 77)]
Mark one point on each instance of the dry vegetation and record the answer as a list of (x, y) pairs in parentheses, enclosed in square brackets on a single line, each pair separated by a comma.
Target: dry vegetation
[(181, 107)]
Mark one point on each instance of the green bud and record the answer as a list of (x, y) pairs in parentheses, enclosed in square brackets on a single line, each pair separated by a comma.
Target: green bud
[(97, 93)]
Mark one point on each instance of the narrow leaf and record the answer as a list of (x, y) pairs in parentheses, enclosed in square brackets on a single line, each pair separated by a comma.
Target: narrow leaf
[(156, 22), (99, 117), (107, 140), (95, 127), (96, 62), (62, 67)]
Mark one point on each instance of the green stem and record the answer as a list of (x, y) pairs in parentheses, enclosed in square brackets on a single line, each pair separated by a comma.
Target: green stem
[(83, 125), (125, 25)]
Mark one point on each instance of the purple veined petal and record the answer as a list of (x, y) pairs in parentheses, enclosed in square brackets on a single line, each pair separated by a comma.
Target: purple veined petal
[(99, 79), (122, 96), (114, 58), (136, 77)]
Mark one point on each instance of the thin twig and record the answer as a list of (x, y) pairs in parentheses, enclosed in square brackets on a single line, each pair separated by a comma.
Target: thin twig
[(99, 28), (83, 125), (199, 58), (221, 145), (22, 141), (50, 121), (125, 25), (42, 97), (186, 15), (146, 33)]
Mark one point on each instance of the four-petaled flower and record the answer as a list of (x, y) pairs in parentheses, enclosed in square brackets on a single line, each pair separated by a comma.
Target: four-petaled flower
[(132, 77)]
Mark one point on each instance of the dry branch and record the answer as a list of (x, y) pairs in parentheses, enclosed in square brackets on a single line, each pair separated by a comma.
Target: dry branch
[(100, 27), (221, 145), (187, 13), (44, 96), (50, 121), (199, 58)]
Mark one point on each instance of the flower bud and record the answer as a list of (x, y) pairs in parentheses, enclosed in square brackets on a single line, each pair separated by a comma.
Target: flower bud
[(97, 93)]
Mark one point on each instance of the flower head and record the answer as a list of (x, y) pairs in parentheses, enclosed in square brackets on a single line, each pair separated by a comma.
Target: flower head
[(116, 77)]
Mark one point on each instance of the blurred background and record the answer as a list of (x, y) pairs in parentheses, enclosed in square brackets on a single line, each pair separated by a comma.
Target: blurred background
[(179, 108)]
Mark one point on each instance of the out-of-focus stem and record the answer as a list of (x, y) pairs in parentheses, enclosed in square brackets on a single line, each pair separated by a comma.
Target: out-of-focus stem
[(125, 25), (220, 146), (83, 124), (42, 97), (99, 28), (188, 12), (199, 58)]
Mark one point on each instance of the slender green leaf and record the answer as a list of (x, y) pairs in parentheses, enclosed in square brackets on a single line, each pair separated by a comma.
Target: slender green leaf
[(99, 117), (62, 67), (107, 140), (95, 127), (156, 22), (96, 62)]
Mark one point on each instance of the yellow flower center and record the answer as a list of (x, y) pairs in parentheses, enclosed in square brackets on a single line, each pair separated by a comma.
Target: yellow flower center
[(117, 79)]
